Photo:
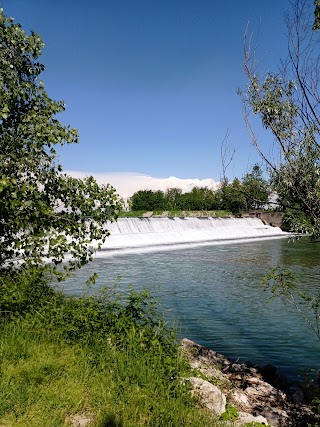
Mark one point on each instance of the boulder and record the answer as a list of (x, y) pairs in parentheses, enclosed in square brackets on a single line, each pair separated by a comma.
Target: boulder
[(239, 397), (245, 417), (276, 416), (210, 396), (245, 387), (298, 397)]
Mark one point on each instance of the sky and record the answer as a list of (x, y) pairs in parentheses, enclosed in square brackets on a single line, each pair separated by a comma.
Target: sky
[(151, 84)]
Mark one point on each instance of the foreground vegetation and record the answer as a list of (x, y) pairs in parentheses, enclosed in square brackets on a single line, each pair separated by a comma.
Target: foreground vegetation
[(109, 358)]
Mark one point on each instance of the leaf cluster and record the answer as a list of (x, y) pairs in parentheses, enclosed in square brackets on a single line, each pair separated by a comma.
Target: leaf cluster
[(110, 311), (44, 214), (284, 284), (287, 103)]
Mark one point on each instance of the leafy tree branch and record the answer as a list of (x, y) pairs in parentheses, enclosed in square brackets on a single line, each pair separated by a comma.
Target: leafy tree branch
[(44, 214)]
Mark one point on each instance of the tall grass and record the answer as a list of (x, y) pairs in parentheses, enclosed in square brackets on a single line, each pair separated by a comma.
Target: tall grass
[(110, 360)]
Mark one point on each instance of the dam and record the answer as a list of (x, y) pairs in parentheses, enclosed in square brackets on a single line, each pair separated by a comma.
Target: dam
[(149, 232)]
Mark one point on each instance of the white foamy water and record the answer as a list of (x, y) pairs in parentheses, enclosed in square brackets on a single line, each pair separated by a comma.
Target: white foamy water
[(133, 233)]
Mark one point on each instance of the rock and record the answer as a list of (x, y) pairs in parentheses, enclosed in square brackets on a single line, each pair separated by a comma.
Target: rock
[(298, 397), (147, 214), (202, 355), (268, 372), (260, 389), (236, 367), (246, 388), (208, 362), (241, 398), (245, 417), (276, 417), (80, 420), (211, 397)]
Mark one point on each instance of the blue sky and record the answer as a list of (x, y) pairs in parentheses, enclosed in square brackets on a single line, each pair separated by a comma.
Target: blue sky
[(151, 84)]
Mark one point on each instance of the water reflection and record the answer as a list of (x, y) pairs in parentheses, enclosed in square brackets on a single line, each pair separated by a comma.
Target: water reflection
[(215, 294)]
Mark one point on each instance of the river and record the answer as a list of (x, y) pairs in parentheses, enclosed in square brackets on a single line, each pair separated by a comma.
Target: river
[(214, 293)]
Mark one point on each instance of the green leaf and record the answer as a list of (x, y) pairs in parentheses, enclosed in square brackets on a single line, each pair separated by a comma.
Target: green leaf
[(42, 210)]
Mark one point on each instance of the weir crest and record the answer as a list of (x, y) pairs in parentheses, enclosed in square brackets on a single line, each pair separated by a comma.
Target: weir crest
[(143, 232)]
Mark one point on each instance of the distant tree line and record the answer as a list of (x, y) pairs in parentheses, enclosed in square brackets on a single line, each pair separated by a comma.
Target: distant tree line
[(236, 196)]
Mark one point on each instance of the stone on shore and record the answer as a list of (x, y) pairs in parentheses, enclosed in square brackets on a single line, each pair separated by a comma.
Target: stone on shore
[(245, 387), (245, 418), (210, 396)]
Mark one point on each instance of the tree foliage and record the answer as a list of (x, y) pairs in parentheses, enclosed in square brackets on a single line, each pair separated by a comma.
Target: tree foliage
[(287, 103), (230, 196), (43, 212), (255, 188), (235, 196), (316, 24), (147, 200)]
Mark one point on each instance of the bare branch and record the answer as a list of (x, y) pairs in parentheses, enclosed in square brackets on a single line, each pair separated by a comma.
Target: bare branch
[(226, 154), (288, 104)]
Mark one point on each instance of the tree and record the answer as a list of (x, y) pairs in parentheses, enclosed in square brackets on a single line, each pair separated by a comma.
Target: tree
[(173, 199), (287, 102), (147, 200), (255, 189), (196, 199), (288, 105), (44, 213), (316, 24), (230, 196)]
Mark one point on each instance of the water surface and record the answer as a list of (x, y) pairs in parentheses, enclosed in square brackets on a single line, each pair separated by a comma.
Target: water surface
[(215, 294)]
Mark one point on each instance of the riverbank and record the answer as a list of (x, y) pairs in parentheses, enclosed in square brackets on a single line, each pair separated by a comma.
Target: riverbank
[(255, 394), (107, 360)]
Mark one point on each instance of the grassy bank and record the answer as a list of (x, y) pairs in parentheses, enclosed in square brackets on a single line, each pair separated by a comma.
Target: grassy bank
[(109, 359)]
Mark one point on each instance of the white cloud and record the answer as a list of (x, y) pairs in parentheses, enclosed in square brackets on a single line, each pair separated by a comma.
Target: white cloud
[(127, 183)]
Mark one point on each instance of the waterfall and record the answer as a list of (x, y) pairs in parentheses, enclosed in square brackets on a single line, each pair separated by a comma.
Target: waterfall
[(149, 232)]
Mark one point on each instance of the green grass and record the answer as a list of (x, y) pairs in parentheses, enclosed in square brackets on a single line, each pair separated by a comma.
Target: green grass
[(107, 358), (214, 214), (131, 214)]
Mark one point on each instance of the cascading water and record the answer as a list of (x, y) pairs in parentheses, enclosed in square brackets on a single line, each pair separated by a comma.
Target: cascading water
[(143, 232)]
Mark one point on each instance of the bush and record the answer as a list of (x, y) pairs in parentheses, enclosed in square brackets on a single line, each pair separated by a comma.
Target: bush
[(109, 354), (22, 291)]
